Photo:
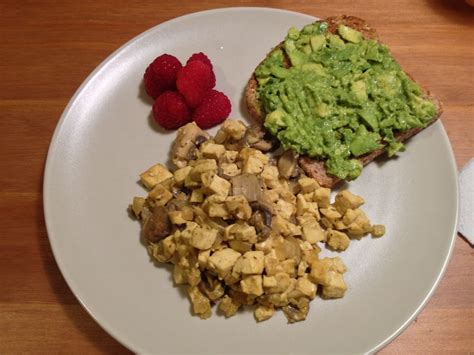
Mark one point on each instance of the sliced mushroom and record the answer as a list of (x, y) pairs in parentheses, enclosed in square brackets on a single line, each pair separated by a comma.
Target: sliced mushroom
[(262, 224), (158, 225), (246, 185), (296, 310), (188, 138), (257, 137), (211, 287), (287, 164)]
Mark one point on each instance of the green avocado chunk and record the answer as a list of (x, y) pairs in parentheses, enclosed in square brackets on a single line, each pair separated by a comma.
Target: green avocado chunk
[(342, 97)]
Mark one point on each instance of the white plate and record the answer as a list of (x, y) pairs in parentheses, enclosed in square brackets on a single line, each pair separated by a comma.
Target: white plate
[(105, 138)]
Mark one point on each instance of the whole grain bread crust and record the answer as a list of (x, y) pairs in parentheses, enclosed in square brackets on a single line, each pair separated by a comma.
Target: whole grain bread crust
[(313, 167)]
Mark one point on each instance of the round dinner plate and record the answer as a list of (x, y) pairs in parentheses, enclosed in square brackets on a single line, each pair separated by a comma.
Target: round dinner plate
[(106, 137)]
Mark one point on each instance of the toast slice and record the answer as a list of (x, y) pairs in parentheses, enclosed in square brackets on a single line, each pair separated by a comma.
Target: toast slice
[(311, 166)]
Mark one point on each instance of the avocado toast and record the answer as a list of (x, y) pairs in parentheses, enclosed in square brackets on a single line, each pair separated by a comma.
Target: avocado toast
[(334, 94)]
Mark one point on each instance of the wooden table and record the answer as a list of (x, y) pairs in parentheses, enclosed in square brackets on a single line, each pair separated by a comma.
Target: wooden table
[(47, 49)]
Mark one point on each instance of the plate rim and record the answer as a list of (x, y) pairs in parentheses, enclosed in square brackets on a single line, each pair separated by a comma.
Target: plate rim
[(54, 145)]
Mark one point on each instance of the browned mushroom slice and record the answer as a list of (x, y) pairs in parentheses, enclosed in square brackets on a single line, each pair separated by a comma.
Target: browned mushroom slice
[(257, 137), (188, 138), (246, 185), (211, 287), (296, 310), (287, 164), (158, 225)]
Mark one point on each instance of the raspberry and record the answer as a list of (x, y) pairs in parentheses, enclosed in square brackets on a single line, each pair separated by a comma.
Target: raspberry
[(170, 110), (202, 57), (214, 109), (160, 75), (194, 80)]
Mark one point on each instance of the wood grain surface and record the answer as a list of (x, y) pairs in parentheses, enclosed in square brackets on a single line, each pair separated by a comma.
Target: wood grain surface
[(47, 48)]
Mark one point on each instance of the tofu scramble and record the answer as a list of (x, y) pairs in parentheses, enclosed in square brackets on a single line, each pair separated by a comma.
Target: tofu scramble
[(243, 228)]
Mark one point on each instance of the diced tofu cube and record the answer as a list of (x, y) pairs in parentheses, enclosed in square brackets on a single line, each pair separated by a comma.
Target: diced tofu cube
[(330, 213), (320, 269), (137, 205), (239, 207), (197, 196), (378, 230), (272, 265), (202, 166), (283, 282), (190, 183), (203, 257), (242, 232), (345, 200), (231, 129), (228, 306), (306, 287), (180, 175), (212, 150), (312, 232), (252, 262), (289, 266), (154, 175), (252, 285), (262, 313), (214, 184), (308, 184), (252, 165), (357, 222), (322, 197), (302, 267), (201, 304), (270, 176), (180, 275), (230, 156), (222, 261), (230, 169), (337, 240), (269, 281), (271, 195), (203, 238), (176, 217), (160, 195), (280, 225), (336, 287), (301, 205), (215, 206), (285, 209)]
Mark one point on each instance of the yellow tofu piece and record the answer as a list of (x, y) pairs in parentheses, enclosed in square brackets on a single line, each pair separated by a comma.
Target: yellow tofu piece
[(230, 169), (241, 231), (203, 257), (262, 313), (228, 306), (378, 230), (154, 175), (337, 240), (202, 166), (230, 156), (320, 269), (270, 176), (283, 282), (179, 275), (212, 150), (252, 262), (137, 205), (269, 281), (322, 197), (197, 196), (239, 207), (285, 209), (203, 238), (280, 225), (180, 175), (252, 165), (176, 217), (214, 184), (272, 265), (252, 285), (336, 287), (346, 200), (306, 287), (308, 184), (312, 232), (201, 304), (160, 195), (330, 213), (232, 129), (215, 206), (222, 261)]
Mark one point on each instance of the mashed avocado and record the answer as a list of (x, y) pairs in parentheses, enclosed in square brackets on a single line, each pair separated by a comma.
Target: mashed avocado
[(341, 98)]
